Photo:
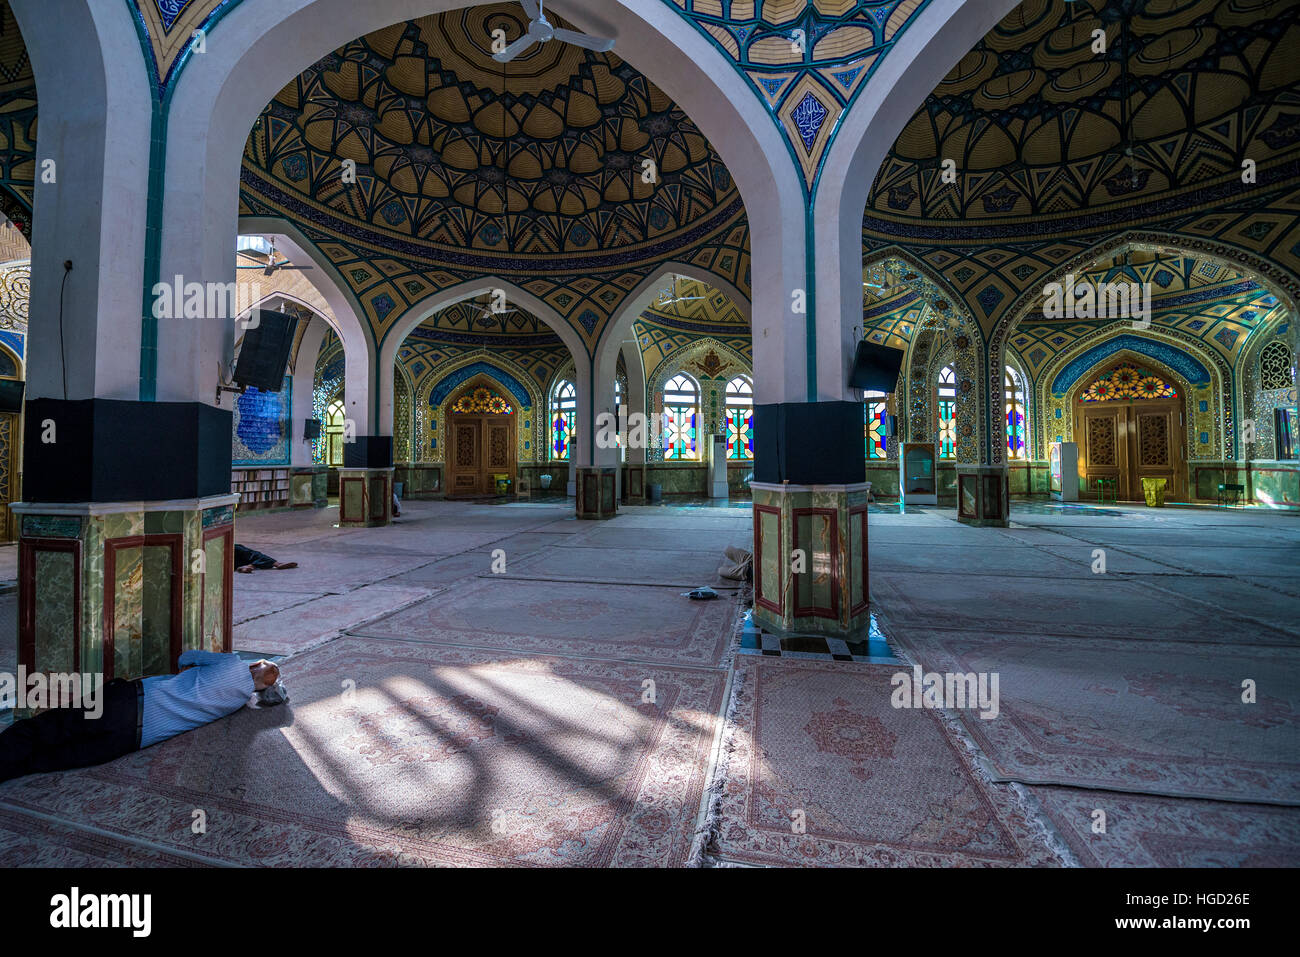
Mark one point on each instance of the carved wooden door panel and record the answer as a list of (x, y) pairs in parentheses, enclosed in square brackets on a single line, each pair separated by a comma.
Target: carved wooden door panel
[(466, 452), (1103, 453), (1156, 449)]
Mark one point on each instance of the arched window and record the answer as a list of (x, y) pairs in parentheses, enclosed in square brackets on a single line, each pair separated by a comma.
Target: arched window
[(681, 417), (740, 418), (946, 412), (564, 407), (334, 426), (875, 426), (618, 406), (1017, 442)]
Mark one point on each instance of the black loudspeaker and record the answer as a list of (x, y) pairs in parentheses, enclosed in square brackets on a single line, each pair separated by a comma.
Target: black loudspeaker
[(311, 429), (264, 354), (809, 443), (11, 395), (112, 450), (875, 368), (891, 425)]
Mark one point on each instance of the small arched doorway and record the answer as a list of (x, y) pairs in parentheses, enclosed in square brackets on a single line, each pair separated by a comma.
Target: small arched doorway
[(1128, 421), (481, 439)]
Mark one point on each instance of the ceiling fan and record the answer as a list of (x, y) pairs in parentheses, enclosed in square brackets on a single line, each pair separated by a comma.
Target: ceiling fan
[(541, 31), (668, 295), (272, 264)]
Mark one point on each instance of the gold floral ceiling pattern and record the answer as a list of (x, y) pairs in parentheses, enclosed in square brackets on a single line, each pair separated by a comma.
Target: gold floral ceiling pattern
[(565, 171), (1054, 147)]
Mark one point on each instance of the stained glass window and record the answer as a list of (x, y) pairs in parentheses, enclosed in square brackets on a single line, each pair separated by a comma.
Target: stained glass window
[(564, 407), (681, 418), (482, 400), (1015, 408), (946, 407), (334, 427), (1127, 382), (875, 425), (740, 418)]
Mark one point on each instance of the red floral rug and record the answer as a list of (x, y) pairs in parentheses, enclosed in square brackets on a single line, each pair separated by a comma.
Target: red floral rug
[(568, 618), (1147, 831), (408, 753), (823, 771), (1150, 717)]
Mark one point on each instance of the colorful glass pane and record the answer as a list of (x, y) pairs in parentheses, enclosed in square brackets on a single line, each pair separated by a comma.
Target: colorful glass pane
[(561, 435), (482, 400), (875, 431), (947, 429), (1127, 382), (679, 440), (740, 433)]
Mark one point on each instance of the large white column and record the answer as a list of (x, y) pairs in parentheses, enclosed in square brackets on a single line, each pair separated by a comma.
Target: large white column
[(92, 187)]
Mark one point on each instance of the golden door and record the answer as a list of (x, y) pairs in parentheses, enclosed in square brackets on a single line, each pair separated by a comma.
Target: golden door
[(1127, 442), (482, 447)]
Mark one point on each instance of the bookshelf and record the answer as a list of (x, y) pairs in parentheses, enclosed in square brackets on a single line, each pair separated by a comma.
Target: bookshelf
[(261, 488)]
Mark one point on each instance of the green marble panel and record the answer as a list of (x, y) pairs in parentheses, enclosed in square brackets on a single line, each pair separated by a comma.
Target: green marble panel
[(156, 611), (221, 515), (772, 550), (213, 595), (128, 583), (353, 504), (165, 523), (814, 587), (51, 526), (55, 611)]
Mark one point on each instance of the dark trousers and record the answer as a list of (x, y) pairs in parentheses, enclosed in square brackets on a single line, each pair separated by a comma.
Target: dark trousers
[(248, 556), (64, 738)]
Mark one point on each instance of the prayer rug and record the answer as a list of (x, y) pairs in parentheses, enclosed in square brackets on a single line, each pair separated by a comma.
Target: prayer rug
[(397, 753), (823, 771)]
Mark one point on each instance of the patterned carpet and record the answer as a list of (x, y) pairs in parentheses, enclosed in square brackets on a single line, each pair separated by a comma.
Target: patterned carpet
[(624, 621), (873, 785), (1151, 717), (1146, 831), (650, 567), (447, 756)]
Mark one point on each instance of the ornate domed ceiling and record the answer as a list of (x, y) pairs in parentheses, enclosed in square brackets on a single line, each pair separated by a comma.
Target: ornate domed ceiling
[(1039, 128), (17, 124), (469, 167)]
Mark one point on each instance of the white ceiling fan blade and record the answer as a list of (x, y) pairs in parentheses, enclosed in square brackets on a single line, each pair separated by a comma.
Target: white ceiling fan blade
[(530, 9), (516, 48), (598, 44)]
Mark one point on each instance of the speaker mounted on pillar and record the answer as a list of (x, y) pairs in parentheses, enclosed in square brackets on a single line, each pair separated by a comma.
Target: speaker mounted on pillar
[(875, 367), (264, 353)]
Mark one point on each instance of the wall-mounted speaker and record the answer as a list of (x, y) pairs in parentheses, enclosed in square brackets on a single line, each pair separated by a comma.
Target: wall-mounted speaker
[(311, 429), (875, 367), (264, 353)]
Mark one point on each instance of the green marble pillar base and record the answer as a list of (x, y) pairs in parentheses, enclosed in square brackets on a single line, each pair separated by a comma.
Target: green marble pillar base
[(983, 495), (597, 491), (123, 588), (365, 497), (309, 486), (810, 559)]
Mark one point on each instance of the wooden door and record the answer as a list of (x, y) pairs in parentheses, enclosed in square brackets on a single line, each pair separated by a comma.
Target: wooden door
[(466, 452), (1154, 449), (1103, 452), (1128, 442), (482, 447)]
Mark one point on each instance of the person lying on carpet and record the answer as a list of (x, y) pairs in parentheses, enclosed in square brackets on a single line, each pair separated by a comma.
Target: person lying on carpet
[(138, 713), (246, 559)]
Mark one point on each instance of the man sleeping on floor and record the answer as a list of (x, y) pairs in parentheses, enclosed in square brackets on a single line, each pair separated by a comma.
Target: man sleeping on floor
[(246, 559), (136, 714)]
